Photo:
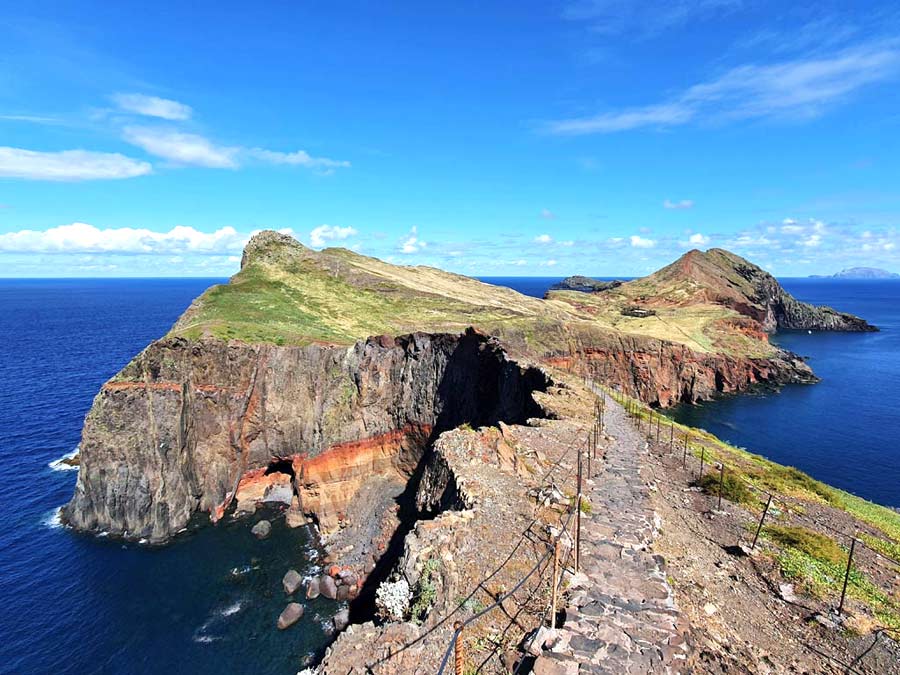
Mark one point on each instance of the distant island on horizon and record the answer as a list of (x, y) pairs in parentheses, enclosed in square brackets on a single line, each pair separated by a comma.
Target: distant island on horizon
[(858, 273)]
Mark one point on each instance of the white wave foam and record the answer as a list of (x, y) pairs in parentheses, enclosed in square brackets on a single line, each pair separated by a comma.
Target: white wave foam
[(61, 465), (233, 608), (53, 519)]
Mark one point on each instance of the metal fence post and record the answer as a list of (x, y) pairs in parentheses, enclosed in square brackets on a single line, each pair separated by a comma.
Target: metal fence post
[(555, 589), (761, 519), (658, 421), (578, 521), (684, 460), (847, 574), (721, 483), (702, 460), (671, 436)]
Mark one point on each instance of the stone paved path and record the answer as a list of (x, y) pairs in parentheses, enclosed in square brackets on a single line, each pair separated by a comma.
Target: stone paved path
[(621, 615)]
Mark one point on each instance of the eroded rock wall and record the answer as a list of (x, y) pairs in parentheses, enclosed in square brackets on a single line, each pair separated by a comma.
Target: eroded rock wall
[(178, 428), (665, 374)]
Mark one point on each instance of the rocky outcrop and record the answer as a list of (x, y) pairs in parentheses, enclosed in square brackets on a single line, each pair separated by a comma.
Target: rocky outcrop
[(180, 428), (584, 284), (721, 277)]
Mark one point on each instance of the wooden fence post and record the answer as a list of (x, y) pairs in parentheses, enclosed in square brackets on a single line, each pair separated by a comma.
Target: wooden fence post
[(721, 483), (702, 460)]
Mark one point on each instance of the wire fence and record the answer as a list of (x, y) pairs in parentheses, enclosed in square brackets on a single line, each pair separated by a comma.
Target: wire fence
[(554, 571), (862, 573)]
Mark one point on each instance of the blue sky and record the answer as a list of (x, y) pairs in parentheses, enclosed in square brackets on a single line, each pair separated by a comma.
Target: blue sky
[(602, 137)]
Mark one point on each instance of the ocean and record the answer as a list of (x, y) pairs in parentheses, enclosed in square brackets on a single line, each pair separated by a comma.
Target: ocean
[(207, 603), (73, 603)]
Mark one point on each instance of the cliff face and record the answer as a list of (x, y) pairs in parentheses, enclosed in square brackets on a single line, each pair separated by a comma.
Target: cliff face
[(665, 374), (182, 424)]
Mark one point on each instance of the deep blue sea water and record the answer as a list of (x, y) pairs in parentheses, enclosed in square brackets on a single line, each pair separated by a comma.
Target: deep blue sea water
[(79, 604)]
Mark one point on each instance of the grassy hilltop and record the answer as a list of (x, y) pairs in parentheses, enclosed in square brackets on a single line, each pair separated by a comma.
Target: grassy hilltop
[(286, 293)]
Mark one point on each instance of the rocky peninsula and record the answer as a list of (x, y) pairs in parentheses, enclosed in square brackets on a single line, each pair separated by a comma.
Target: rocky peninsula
[(414, 416)]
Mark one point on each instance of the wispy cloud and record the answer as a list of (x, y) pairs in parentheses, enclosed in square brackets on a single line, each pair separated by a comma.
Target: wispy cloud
[(679, 205), (543, 239), (182, 148), (547, 214), (86, 238), (298, 158), (68, 165), (644, 18), (411, 242), (698, 239), (321, 235), (188, 149), (152, 106), (795, 89)]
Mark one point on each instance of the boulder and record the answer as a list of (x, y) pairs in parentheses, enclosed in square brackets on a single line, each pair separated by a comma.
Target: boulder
[(294, 516), (327, 587), (341, 620), (291, 581), (312, 588), (290, 615), (343, 592), (262, 529)]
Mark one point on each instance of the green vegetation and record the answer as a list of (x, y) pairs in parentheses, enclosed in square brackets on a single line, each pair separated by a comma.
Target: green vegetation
[(733, 487), (819, 565), (808, 542), (425, 591)]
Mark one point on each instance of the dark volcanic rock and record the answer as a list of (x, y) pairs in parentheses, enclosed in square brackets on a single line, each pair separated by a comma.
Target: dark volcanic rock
[(290, 615), (584, 285)]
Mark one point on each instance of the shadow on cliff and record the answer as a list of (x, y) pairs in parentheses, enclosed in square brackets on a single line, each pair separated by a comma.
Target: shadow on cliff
[(480, 387)]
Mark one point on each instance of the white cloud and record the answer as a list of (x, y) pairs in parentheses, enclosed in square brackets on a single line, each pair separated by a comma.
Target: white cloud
[(325, 233), (698, 239), (185, 149), (85, 238), (547, 214), (543, 239), (68, 165), (182, 148), (683, 204), (152, 106), (299, 158), (641, 242), (549, 263), (567, 243), (411, 243), (795, 89), (812, 240)]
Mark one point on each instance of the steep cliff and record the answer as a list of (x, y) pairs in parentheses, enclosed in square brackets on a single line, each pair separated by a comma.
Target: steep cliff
[(182, 424), (276, 373)]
